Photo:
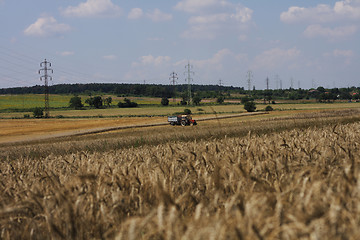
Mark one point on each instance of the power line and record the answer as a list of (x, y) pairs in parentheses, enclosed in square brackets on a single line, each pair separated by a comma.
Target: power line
[(24, 60)]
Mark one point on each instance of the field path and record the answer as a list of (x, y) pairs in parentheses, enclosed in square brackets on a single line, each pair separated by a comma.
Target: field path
[(32, 130)]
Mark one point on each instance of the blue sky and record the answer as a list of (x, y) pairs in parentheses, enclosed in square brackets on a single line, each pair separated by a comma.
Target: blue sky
[(300, 43)]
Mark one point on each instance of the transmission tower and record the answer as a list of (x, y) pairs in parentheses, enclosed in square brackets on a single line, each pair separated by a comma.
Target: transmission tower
[(267, 83), (291, 83), (173, 77), (45, 69), (313, 83), (278, 81), (189, 79), (220, 85), (249, 76)]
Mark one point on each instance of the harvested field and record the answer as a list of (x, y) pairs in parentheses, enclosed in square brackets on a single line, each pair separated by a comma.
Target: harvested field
[(299, 179), (33, 129)]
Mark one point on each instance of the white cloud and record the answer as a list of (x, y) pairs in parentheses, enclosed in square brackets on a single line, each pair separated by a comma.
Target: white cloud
[(209, 25), (276, 57), (209, 19), (242, 14), (212, 17), (216, 62), (340, 53), (316, 30), (157, 16), (242, 37), (343, 53), (93, 8), (341, 57), (151, 60), (196, 6), (149, 68), (45, 27), (66, 53), (110, 57), (342, 10), (135, 13)]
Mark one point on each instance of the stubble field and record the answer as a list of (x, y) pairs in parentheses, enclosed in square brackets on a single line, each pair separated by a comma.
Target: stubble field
[(285, 177)]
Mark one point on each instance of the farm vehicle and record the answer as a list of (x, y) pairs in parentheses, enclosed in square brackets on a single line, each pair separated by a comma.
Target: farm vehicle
[(183, 120)]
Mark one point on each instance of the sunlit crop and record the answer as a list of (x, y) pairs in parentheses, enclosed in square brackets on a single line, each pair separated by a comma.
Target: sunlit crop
[(294, 183)]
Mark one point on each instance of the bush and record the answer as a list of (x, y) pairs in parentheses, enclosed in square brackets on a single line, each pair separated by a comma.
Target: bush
[(127, 104), (165, 101), (38, 112), (96, 102), (269, 108), (75, 102), (220, 100), (250, 106), (196, 100), (108, 101), (187, 111), (246, 99), (183, 102), (26, 115)]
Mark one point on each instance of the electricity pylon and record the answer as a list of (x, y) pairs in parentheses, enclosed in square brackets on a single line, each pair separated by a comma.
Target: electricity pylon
[(249, 76), (189, 79), (173, 78), (277, 80), (45, 69)]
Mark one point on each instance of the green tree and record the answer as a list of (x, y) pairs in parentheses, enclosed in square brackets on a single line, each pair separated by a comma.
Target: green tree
[(164, 101), (250, 106), (246, 99), (75, 102), (267, 95), (127, 104), (184, 100), (196, 100), (38, 112), (187, 111), (96, 102), (220, 99), (108, 101), (269, 108)]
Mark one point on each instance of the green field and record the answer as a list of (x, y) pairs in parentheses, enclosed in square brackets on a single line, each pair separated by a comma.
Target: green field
[(15, 106), (26, 101)]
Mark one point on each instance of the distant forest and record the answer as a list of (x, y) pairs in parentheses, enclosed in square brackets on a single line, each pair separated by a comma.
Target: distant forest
[(149, 90), (202, 91)]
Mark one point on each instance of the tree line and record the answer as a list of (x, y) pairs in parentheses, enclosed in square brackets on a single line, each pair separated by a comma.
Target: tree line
[(198, 91)]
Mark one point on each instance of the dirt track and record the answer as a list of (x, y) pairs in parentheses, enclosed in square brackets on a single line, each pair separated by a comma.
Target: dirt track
[(39, 131)]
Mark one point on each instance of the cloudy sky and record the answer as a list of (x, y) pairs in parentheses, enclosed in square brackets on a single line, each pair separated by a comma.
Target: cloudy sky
[(293, 43)]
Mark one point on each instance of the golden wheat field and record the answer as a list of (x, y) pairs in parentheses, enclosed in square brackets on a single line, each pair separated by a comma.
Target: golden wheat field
[(280, 178)]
